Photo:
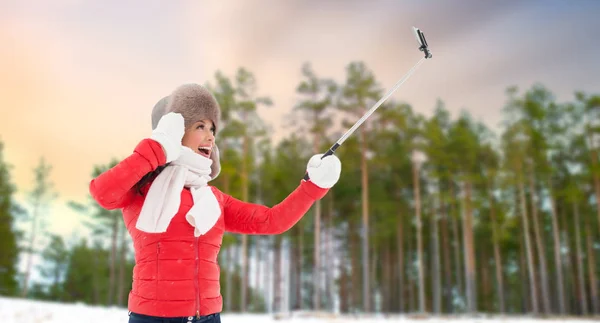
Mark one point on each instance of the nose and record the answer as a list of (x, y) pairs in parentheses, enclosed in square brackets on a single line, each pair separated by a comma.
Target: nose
[(211, 137)]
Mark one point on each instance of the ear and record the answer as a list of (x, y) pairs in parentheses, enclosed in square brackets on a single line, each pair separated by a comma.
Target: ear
[(216, 165)]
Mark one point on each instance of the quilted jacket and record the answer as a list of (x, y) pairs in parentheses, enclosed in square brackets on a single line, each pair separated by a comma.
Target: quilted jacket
[(175, 273)]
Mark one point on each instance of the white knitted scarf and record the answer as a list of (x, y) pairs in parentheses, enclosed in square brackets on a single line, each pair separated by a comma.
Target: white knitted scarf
[(164, 197)]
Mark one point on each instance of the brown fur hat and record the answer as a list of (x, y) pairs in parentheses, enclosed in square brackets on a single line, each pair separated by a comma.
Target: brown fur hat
[(195, 103)]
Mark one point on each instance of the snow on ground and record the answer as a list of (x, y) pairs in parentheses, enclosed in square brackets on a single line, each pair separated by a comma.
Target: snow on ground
[(14, 310)]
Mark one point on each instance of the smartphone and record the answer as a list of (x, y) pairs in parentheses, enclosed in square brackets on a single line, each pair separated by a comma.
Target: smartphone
[(422, 42)]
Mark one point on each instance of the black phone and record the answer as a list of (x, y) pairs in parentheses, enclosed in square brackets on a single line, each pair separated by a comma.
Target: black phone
[(422, 42)]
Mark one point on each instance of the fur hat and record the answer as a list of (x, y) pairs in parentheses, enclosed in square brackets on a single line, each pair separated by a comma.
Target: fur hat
[(195, 103)]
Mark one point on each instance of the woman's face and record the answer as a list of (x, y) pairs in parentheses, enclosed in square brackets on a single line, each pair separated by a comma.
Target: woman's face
[(200, 137)]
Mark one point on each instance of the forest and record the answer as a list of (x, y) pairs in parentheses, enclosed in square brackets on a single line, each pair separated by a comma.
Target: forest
[(432, 214)]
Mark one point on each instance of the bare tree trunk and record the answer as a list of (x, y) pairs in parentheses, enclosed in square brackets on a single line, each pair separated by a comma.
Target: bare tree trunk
[(400, 237), (567, 265), (394, 286), (329, 259), (267, 270), (95, 280), (540, 244), (411, 293), (257, 273), (317, 245), (113, 259), (355, 272), (571, 266), (317, 259), (277, 281), (387, 279), (497, 254), (592, 270), (485, 281), (386, 283), (471, 287), (245, 198), (374, 288), (299, 266), (437, 277), (122, 260), (530, 267), (420, 263), (457, 255), (597, 192), (457, 245), (230, 268), (289, 265), (557, 255), (522, 265), (230, 256), (596, 178), (446, 256), (244, 273), (365, 220), (30, 252), (580, 271), (343, 291)]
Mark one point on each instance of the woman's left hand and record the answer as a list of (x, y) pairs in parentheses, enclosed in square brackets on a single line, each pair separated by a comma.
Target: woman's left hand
[(324, 172)]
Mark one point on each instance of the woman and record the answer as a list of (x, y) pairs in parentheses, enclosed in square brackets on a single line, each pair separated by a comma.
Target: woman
[(177, 220)]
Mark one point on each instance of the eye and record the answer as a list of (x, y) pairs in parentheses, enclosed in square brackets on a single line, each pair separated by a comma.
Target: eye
[(202, 126)]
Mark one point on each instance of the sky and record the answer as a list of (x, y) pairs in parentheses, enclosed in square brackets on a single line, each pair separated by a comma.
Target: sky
[(78, 79)]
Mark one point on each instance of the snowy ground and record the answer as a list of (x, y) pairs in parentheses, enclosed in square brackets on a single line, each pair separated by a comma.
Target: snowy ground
[(25, 311)]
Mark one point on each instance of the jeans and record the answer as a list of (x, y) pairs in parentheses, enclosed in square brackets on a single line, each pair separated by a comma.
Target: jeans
[(139, 318)]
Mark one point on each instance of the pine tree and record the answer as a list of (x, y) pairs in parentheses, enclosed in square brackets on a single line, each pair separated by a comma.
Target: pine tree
[(239, 104), (40, 198), (107, 225), (359, 89), (56, 258), (317, 97), (9, 252), (87, 274)]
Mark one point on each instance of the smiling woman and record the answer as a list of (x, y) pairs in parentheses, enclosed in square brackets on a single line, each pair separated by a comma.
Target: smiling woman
[(177, 220), (200, 113), (201, 137)]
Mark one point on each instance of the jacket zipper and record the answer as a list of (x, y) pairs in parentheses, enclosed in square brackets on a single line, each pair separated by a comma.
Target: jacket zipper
[(196, 283), (157, 260)]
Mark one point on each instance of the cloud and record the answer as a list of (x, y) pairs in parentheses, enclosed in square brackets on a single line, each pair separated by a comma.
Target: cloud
[(85, 75)]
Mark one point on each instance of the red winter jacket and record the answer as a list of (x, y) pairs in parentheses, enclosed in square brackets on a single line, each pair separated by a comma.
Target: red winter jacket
[(175, 273)]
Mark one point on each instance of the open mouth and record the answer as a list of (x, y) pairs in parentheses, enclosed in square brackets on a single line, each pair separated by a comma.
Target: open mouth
[(204, 151)]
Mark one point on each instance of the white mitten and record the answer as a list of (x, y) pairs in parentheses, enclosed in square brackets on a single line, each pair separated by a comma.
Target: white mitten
[(324, 172), (168, 133)]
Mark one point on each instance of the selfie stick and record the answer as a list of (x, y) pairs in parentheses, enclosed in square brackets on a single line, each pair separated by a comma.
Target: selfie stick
[(422, 47)]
